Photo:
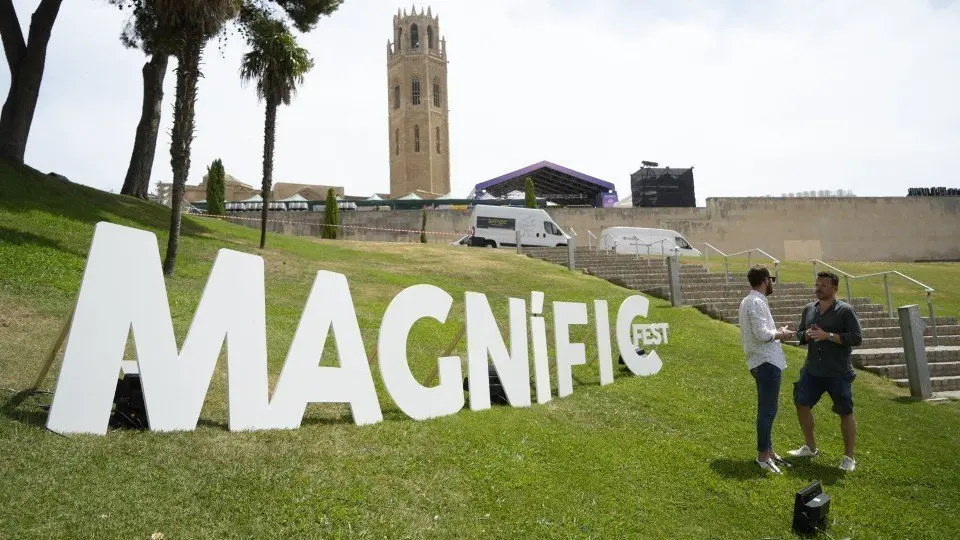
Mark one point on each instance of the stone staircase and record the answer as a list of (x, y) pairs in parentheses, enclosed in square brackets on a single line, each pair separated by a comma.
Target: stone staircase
[(880, 353)]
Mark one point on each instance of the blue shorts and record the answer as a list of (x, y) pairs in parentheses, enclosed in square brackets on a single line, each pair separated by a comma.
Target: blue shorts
[(808, 389)]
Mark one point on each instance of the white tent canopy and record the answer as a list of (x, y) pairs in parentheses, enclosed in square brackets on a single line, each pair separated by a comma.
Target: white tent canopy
[(255, 198)]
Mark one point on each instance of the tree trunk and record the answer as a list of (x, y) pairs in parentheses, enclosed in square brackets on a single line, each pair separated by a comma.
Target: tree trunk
[(269, 138), (188, 71), (137, 181), (26, 61)]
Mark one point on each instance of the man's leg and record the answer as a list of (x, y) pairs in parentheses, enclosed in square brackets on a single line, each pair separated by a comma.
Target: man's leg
[(805, 416), (841, 391), (806, 393), (848, 426), (768, 379)]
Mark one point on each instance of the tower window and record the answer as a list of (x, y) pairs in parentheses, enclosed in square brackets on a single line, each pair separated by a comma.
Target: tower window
[(414, 37), (416, 138), (430, 37), (437, 99), (399, 37), (396, 95), (415, 90), (396, 141), (438, 140)]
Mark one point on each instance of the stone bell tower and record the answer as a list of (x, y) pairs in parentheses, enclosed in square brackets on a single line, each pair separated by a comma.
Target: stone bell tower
[(417, 104)]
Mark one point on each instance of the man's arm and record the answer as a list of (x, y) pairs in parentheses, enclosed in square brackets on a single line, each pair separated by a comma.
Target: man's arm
[(802, 327), (758, 323), (853, 335)]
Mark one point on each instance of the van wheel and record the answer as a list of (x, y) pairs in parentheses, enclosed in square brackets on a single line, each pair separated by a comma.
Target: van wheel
[(490, 244)]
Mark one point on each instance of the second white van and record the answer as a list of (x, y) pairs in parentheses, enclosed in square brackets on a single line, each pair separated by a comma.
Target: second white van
[(633, 240)]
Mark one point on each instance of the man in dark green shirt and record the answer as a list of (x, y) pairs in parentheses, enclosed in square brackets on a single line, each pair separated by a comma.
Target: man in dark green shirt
[(830, 329)]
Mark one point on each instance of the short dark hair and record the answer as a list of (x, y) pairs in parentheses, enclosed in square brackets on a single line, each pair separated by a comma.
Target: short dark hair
[(757, 275), (834, 279)]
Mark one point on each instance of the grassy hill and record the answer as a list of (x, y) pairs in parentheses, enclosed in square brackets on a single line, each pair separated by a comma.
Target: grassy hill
[(666, 456)]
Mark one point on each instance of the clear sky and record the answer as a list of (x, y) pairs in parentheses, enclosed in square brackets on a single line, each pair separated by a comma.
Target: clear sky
[(760, 97)]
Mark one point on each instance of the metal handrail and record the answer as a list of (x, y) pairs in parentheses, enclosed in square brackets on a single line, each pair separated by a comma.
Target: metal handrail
[(590, 242), (637, 243), (748, 252), (886, 285)]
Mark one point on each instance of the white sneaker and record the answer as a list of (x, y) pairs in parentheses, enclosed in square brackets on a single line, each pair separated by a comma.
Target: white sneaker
[(848, 463), (768, 466), (804, 451)]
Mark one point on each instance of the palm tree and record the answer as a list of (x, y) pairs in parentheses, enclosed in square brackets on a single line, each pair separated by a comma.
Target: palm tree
[(278, 65), (140, 33), (184, 27)]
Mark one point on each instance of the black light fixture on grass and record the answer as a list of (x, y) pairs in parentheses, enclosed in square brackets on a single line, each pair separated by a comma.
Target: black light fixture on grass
[(810, 508)]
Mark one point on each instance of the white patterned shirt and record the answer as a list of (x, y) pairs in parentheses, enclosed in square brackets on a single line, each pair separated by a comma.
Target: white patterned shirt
[(758, 331)]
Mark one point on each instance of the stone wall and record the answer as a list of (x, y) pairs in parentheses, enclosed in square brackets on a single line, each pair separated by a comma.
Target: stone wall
[(848, 229)]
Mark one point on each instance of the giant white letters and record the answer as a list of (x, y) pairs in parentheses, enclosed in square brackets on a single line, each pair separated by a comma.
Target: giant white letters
[(123, 290)]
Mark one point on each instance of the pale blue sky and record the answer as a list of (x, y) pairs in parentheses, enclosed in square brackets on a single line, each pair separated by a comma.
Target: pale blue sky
[(761, 97)]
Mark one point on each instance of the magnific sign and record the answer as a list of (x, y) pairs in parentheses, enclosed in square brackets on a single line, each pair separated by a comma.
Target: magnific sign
[(123, 290)]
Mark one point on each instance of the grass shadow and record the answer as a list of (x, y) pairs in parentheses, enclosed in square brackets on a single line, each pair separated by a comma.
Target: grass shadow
[(736, 469), (35, 416), (25, 190), (812, 469), (747, 469)]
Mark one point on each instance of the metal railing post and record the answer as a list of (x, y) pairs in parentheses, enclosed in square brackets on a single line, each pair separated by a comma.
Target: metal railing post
[(933, 320), (726, 268), (914, 351), (571, 253), (849, 297), (776, 271), (886, 286), (648, 254), (814, 273), (749, 260), (706, 253), (519, 251)]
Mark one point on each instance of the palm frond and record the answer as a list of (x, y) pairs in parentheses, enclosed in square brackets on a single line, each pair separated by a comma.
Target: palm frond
[(275, 61)]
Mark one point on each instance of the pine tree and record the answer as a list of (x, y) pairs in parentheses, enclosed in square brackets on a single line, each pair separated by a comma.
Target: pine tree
[(216, 188), (423, 227), (331, 216), (531, 194)]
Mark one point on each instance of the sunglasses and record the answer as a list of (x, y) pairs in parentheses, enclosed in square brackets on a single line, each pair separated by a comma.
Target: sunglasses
[(772, 278)]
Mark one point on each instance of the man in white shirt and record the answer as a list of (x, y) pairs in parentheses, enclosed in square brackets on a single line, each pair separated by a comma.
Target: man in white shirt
[(765, 359)]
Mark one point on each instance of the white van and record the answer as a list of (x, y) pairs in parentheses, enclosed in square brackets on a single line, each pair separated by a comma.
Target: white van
[(495, 226), (632, 240)]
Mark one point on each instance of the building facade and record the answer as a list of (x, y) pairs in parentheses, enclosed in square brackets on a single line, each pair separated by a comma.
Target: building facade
[(417, 103)]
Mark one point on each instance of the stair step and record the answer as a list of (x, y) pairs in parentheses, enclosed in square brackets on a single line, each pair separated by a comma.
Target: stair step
[(938, 384), (894, 342), (899, 371), (893, 355), (894, 331)]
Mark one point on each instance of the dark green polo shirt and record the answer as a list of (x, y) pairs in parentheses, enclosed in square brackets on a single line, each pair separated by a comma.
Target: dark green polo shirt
[(826, 358)]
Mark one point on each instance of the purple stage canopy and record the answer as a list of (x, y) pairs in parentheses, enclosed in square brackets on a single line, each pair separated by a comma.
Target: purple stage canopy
[(557, 184)]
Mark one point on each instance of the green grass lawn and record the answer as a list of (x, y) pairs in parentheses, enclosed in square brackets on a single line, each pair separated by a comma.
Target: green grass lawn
[(944, 278), (669, 456)]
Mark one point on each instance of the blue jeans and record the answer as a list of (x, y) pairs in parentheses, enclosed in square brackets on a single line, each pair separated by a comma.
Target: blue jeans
[(768, 378)]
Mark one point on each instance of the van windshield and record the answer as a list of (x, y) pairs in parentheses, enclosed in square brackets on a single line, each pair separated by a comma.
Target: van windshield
[(681, 243), (551, 228)]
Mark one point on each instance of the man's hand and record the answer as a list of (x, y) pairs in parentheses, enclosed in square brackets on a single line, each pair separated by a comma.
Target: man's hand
[(785, 333), (817, 334)]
